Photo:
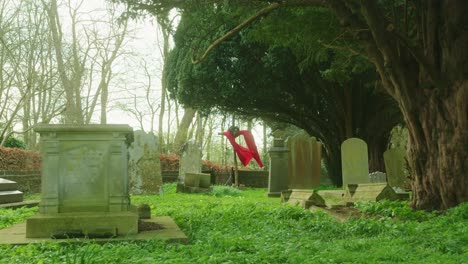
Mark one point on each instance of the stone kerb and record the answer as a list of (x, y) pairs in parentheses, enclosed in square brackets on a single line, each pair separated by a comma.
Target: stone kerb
[(355, 164), (144, 165), (84, 180)]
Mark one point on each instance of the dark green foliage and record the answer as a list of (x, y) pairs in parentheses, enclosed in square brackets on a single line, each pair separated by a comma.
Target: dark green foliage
[(273, 72), (9, 217), (251, 228), (13, 142)]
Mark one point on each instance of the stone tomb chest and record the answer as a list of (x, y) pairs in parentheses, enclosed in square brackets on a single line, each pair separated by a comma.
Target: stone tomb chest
[(84, 182)]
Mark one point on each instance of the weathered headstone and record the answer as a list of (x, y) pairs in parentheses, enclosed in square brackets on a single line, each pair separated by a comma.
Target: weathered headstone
[(301, 162), (190, 162), (278, 173), (144, 166), (378, 177), (394, 165), (84, 182), (354, 160)]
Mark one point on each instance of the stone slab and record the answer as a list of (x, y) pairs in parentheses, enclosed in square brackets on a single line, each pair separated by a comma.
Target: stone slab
[(20, 204), (300, 197), (10, 196), (16, 234), (331, 198), (7, 185), (372, 192), (85, 223)]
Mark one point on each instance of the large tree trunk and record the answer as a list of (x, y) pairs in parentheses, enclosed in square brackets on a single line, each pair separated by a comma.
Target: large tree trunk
[(427, 76), (438, 152)]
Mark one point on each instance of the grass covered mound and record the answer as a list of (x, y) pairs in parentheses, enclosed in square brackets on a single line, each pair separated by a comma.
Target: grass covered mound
[(232, 226)]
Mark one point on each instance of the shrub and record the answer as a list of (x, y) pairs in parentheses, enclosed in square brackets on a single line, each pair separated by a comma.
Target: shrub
[(12, 142)]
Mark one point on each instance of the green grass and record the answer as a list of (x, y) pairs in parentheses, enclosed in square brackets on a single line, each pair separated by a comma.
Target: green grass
[(232, 226)]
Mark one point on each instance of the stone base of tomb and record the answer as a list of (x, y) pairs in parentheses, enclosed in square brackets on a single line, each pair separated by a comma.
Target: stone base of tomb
[(83, 224)]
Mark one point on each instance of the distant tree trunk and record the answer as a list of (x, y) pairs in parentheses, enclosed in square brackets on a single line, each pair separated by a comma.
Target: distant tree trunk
[(182, 130)]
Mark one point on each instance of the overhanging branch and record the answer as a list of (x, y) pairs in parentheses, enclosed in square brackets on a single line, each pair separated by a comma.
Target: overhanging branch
[(263, 12)]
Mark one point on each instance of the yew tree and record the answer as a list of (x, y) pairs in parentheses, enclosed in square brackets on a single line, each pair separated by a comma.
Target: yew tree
[(419, 49), (267, 80)]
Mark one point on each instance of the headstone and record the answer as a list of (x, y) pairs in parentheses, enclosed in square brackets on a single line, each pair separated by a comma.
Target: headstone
[(354, 160), (394, 165), (144, 166), (378, 177), (84, 182), (190, 160), (301, 162), (278, 172)]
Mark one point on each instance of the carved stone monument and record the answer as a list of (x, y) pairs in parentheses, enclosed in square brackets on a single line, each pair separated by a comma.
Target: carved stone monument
[(144, 164), (355, 163), (278, 173), (84, 183)]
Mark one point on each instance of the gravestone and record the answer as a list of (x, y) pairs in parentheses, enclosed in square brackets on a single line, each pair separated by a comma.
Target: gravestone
[(378, 177), (301, 162), (394, 165), (278, 172), (84, 183), (190, 162), (354, 162), (144, 166)]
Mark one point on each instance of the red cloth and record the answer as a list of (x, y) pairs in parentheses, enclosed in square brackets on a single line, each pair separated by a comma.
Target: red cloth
[(245, 154)]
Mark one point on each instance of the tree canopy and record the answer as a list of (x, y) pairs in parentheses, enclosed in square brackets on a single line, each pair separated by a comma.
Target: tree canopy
[(418, 49)]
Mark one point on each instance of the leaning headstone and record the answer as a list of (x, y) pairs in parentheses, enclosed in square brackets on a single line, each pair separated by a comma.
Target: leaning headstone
[(278, 172), (394, 165), (144, 166), (84, 183), (301, 161), (354, 160), (378, 177)]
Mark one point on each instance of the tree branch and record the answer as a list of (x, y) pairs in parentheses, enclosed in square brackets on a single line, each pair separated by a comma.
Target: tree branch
[(263, 12)]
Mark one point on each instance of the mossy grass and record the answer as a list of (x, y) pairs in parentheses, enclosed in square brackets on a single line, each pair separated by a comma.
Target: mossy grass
[(244, 226)]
